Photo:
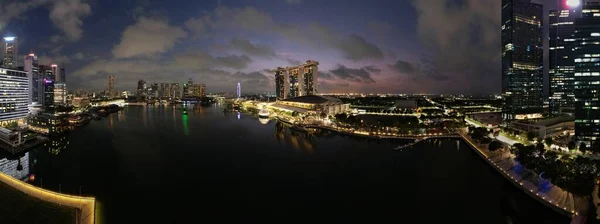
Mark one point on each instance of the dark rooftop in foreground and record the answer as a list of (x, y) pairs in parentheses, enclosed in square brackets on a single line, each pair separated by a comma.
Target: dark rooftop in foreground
[(314, 99)]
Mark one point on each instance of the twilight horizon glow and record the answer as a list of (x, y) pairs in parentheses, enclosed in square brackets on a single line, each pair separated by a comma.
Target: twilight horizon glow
[(366, 46)]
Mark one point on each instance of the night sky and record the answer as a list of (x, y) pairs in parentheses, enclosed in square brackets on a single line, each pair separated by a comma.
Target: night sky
[(374, 46)]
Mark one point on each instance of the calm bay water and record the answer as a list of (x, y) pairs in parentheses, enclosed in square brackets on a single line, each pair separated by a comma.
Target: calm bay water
[(154, 164)]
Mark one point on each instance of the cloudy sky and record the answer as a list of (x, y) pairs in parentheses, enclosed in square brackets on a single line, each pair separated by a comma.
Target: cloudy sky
[(372, 46)]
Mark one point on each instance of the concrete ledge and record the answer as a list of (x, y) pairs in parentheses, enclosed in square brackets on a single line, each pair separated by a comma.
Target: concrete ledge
[(86, 206)]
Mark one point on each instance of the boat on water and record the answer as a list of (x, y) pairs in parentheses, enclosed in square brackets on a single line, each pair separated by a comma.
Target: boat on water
[(263, 113)]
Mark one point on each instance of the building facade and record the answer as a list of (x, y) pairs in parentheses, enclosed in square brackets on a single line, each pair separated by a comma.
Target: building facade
[(60, 93), (561, 64), (586, 55), (141, 90), (14, 88), (10, 52), (238, 90), (522, 58), (47, 83), (110, 87), (296, 81), (31, 66)]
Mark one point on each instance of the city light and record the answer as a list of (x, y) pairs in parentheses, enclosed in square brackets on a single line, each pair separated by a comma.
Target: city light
[(573, 3), (9, 38)]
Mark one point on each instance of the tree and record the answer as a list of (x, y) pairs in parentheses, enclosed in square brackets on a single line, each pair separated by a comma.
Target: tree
[(530, 136), (540, 148), (495, 145), (583, 147), (548, 141), (295, 114), (595, 146), (571, 145), (323, 115)]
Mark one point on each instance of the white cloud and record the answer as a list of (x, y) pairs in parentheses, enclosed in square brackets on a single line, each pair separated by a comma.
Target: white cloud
[(67, 16), (148, 37)]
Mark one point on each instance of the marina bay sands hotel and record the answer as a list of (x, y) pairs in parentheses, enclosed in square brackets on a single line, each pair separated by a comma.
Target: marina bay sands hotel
[(296, 81)]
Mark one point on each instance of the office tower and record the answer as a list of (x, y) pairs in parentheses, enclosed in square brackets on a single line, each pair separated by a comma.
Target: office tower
[(522, 59), (60, 87), (175, 91), (47, 86), (586, 56), (111, 86), (296, 81), (239, 90), (561, 63), (10, 52), (35, 84), (63, 75), (14, 86), (141, 90), (60, 93), (153, 91), (202, 90)]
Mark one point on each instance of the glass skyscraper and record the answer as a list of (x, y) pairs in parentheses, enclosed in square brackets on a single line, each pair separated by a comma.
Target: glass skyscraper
[(522, 58), (586, 56), (561, 65)]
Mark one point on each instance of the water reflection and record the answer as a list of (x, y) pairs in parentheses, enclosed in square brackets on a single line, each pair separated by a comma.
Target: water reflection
[(184, 119), (57, 144), (299, 140), (263, 120)]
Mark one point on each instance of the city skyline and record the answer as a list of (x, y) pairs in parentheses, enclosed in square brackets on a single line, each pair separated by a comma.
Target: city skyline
[(386, 52)]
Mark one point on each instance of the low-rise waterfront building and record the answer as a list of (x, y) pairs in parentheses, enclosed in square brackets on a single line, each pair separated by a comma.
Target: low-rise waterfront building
[(12, 138), (545, 127), (80, 102), (312, 104), (47, 124)]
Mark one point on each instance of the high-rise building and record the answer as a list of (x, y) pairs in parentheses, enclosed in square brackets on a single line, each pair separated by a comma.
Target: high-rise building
[(60, 93), (239, 90), (141, 90), (586, 56), (202, 90), (561, 64), (281, 80), (47, 84), (296, 81), (111, 86), (63, 75), (14, 86), (35, 83), (10, 52), (175, 91), (60, 87), (522, 58)]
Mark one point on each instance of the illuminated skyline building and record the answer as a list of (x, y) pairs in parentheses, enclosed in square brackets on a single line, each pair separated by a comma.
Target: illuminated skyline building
[(47, 83), (561, 64), (110, 87), (296, 81), (238, 90), (522, 58), (31, 66), (586, 56), (14, 87), (11, 52)]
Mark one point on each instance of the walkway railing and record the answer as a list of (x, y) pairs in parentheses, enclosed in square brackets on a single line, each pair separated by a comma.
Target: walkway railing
[(86, 206)]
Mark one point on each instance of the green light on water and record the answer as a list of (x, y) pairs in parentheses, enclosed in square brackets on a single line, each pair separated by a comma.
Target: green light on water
[(185, 124)]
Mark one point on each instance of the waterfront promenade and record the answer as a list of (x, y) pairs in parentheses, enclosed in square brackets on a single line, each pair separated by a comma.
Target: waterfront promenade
[(85, 207), (552, 196), (548, 194)]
